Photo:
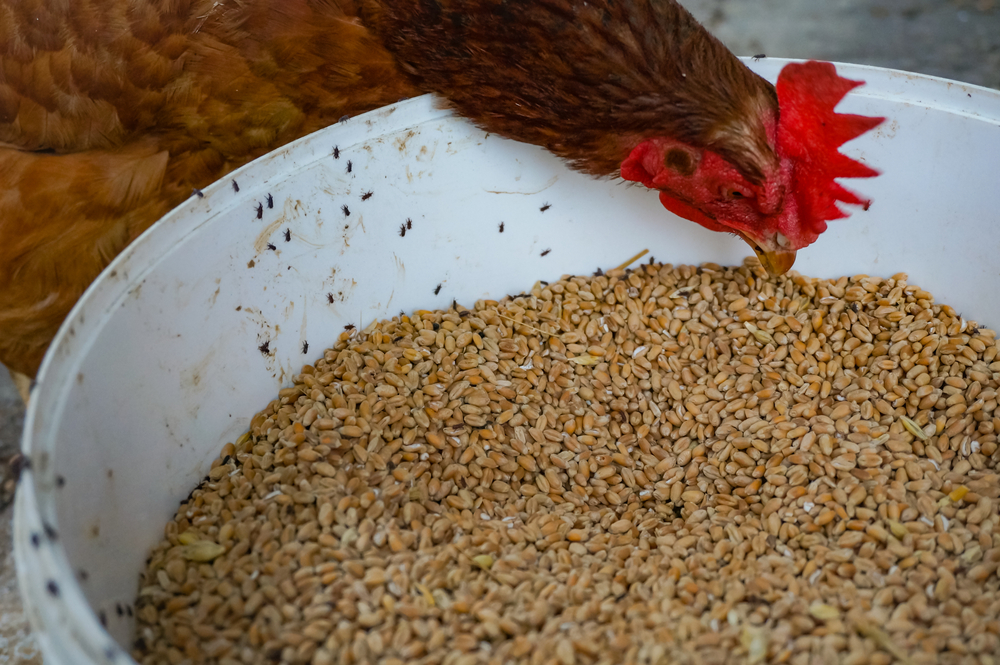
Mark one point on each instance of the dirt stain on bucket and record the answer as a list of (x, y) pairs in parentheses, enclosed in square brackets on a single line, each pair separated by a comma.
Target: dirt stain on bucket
[(290, 212)]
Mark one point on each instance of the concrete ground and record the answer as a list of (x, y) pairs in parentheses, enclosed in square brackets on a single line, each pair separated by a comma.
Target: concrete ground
[(956, 39), (16, 645)]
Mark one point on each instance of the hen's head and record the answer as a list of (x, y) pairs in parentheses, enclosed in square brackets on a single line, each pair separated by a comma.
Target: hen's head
[(782, 202)]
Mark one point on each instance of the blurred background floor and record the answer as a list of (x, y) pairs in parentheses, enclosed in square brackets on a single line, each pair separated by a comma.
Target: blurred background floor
[(956, 39), (16, 645)]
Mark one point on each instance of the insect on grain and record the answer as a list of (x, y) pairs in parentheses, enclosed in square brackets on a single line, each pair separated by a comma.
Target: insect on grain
[(270, 201), (545, 207), (260, 210), (271, 247), (409, 224), (305, 347), (759, 56), (102, 616), (402, 230), (329, 298), (346, 210), (336, 152), (288, 235), (598, 272), (60, 481), (52, 588), (197, 192), (349, 326), (236, 187), (501, 227), (545, 252), (265, 348), (36, 540), (83, 575), (119, 610), (344, 118), (50, 531), (437, 289), (367, 195), (350, 166)]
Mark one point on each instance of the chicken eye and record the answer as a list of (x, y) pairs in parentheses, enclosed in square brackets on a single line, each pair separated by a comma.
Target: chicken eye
[(732, 194)]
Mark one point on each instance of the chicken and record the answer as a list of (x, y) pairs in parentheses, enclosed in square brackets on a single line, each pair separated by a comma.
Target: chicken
[(112, 112)]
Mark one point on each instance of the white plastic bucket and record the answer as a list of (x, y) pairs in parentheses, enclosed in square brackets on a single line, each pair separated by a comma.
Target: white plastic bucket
[(159, 364)]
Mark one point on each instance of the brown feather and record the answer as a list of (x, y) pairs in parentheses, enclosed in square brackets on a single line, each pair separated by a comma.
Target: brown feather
[(142, 101), (588, 80), (63, 218)]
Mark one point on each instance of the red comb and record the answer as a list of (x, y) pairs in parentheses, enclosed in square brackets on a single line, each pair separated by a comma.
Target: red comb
[(810, 133)]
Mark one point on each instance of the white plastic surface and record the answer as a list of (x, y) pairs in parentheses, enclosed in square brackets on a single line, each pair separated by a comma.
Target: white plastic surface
[(159, 364)]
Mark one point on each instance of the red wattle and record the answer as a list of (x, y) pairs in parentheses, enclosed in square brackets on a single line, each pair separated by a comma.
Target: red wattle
[(690, 213)]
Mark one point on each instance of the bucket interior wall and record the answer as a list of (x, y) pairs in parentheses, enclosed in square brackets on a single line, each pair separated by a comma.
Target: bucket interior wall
[(196, 327)]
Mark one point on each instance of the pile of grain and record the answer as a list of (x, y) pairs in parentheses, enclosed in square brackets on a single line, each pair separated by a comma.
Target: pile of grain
[(671, 465)]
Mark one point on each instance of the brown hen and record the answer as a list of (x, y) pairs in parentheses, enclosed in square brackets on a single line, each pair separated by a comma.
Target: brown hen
[(112, 112)]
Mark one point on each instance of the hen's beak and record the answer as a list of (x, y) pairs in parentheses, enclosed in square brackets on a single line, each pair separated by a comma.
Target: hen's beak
[(776, 260), (776, 263)]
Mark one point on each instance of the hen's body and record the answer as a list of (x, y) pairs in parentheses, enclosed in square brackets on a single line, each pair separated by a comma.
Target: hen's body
[(111, 111)]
